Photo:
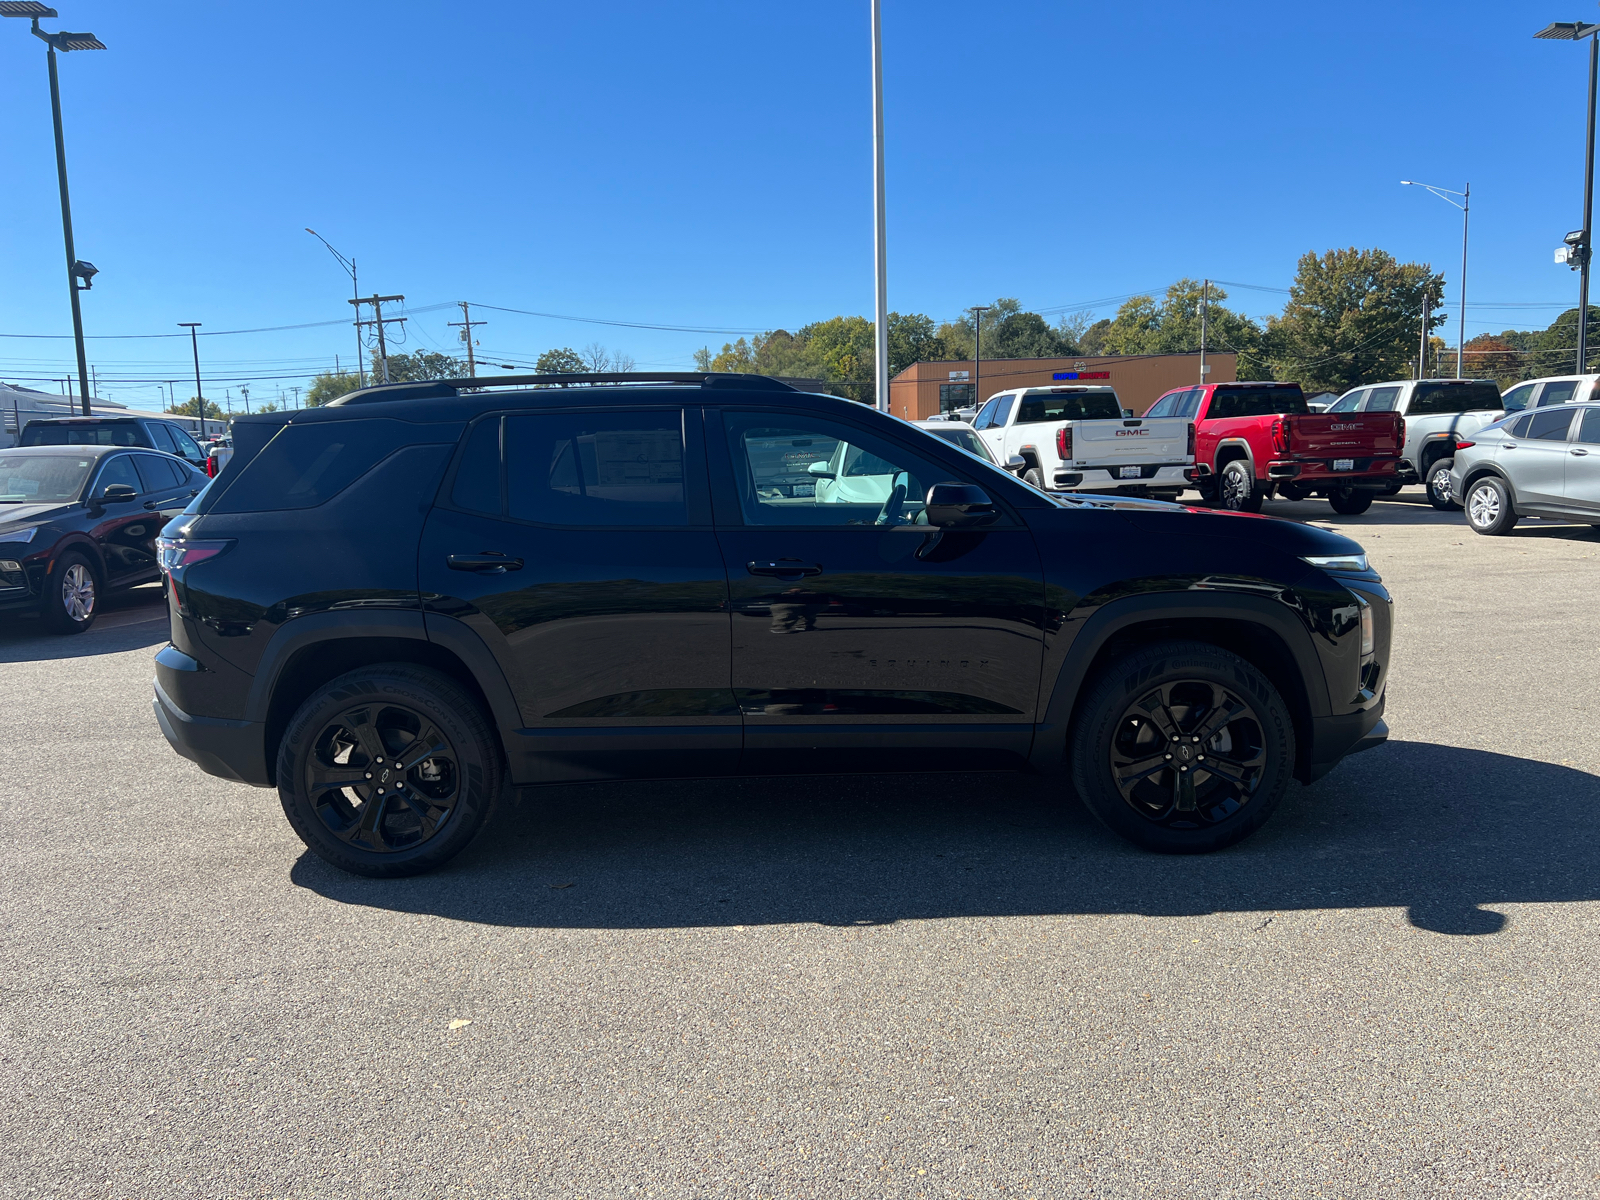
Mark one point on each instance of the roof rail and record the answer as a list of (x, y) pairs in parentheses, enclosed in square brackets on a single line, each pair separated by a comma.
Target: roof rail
[(445, 388)]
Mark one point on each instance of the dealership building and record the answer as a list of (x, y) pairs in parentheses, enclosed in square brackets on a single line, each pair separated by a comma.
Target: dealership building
[(926, 389)]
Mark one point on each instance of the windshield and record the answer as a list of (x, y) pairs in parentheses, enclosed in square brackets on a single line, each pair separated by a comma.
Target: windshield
[(1069, 406), (41, 478), (1453, 398), (961, 437)]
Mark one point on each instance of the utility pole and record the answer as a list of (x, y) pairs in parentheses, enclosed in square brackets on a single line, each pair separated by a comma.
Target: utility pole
[(1205, 294), (380, 321), (296, 392), (977, 351), (244, 390), (200, 396), (880, 248), (466, 323), (1422, 349), (94, 385)]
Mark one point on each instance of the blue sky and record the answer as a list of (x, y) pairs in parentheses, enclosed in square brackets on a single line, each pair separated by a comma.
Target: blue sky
[(709, 165)]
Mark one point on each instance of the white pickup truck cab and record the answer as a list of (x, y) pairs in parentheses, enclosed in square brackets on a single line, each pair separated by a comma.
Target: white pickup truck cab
[(1437, 412), (1081, 439)]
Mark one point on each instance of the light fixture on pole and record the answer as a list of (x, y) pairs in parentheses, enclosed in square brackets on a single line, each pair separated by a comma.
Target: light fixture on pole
[(1466, 201), (349, 264), (1578, 243), (199, 395), (879, 222), (977, 351), (76, 269)]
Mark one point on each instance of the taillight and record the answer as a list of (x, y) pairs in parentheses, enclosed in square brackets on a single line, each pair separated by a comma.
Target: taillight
[(1191, 439), (211, 466), (176, 553), (1464, 445), (1399, 432), (1280, 435), (1064, 443)]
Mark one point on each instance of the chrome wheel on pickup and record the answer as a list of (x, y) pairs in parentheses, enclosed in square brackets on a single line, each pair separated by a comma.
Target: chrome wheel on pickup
[(1439, 486)]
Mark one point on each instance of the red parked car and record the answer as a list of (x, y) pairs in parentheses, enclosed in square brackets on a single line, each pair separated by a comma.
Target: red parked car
[(1255, 440)]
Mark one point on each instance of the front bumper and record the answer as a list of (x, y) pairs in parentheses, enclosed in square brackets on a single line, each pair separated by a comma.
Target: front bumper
[(1172, 477), (232, 750), (1335, 738)]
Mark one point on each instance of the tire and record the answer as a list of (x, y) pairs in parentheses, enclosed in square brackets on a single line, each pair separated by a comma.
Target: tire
[(380, 715), (1294, 493), (1488, 506), (1237, 489), (1391, 489), (71, 594), (1350, 502), (1438, 486), (1034, 476), (1174, 690)]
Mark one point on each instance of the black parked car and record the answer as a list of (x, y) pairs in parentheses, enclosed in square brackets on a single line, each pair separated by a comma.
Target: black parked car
[(167, 436), (387, 606), (78, 520)]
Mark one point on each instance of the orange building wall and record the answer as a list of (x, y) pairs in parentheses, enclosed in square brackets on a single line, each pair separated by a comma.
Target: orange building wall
[(1140, 380)]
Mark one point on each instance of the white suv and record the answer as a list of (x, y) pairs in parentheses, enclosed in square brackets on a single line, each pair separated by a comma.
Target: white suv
[(1551, 389)]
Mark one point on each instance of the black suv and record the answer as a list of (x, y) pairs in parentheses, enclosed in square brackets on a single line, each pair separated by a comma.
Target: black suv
[(389, 606), (167, 436)]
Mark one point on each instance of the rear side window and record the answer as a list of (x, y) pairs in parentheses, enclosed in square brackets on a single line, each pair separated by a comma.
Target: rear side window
[(596, 468), (1069, 406), (1589, 431), (305, 465), (1550, 426), (1383, 400), (1559, 392), (159, 474), (1257, 402), (1432, 398)]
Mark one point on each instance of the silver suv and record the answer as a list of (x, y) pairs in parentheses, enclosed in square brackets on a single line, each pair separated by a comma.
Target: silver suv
[(1543, 463)]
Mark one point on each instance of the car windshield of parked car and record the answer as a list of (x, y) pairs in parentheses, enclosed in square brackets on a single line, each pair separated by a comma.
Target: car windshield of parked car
[(82, 435), (1069, 406), (962, 438), (1433, 398), (42, 478), (1257, 402)]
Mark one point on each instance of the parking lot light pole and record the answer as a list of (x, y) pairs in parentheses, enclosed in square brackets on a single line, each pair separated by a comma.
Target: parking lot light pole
[(1466, 203), (199, 396), (880, 248), (75, 270), (349, 264), (977, 354), (1578, 251)]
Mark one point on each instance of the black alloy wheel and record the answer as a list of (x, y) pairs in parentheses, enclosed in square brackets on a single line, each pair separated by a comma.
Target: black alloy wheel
[(1439, 486), (71, 593), (389, 770), (1238, 489), (1349, 501), (1183, 748)]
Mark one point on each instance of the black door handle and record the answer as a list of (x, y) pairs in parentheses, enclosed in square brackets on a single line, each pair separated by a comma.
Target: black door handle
[(783, 568), (489, 563)]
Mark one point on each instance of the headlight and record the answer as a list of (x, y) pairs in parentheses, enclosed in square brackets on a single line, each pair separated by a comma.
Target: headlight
[(19, 535), (1338, 562)]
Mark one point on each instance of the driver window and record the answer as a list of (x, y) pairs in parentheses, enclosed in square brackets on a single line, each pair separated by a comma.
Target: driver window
[(801, 470), (986, 417), (1346, 403), (1517, 398), (1164, 406), (117, 470)]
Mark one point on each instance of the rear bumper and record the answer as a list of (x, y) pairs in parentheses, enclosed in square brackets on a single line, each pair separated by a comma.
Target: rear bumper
[(1336, 738), (231, 750), (1317, 473), (1102, 479)]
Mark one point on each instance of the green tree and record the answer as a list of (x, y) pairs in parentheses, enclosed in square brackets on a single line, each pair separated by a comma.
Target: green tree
[(1352, 317), (419, 367), (330, 385), (1555, 350), (561, 361), (702, 359), (1092, 342), (191, 408), (1143, 326)]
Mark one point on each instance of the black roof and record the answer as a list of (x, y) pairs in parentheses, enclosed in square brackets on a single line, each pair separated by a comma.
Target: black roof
[(85, 420), (79, 450)]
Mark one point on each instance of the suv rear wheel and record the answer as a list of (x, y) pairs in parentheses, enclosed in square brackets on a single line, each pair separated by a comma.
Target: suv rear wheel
[(70, 594), (1489, 507), (388, 770), (1182, 748)]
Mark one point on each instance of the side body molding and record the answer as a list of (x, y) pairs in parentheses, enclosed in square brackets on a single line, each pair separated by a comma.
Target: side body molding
[(1049, 743)]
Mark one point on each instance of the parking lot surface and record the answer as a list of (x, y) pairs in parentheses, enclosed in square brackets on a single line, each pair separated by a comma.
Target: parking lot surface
[(895, 986)]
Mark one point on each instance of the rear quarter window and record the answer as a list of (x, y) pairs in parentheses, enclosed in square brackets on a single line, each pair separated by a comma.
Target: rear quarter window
[(306, 465), (1432, 398)]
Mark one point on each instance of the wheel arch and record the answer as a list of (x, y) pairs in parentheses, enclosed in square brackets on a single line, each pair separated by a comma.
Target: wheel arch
[(1262, 632), (1232, 450)]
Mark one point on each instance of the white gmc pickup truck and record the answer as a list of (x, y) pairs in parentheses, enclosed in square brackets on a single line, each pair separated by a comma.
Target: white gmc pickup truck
[(1078, 439)]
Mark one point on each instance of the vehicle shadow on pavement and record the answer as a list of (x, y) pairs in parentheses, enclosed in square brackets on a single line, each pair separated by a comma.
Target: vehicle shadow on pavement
[(1439, 831), (127, 620)]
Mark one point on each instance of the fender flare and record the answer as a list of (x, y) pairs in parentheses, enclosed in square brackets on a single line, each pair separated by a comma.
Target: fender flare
[(1049, 742), (1228, 444)]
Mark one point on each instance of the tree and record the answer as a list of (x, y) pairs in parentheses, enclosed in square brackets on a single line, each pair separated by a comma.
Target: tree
[(1353, 317), (1093, 341), (330, 385), (702, 359), (562, 361), (1555, 351), (1489, 356), (418, 367), (1142, 326), (191, 408)]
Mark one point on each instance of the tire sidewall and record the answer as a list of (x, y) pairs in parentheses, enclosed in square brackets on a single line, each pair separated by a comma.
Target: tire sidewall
[(1250, 502), (442, 701), (1506, 516), (1034, 477), (1443, 465), (55, 608), (1119, 685)]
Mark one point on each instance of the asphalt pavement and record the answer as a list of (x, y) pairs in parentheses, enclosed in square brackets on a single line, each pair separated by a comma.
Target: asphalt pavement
[(893, 986)]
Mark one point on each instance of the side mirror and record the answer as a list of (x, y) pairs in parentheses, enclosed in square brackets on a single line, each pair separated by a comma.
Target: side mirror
[(959, 506), (117, 493), (1127, 412), (1016, 464), (820, 471)]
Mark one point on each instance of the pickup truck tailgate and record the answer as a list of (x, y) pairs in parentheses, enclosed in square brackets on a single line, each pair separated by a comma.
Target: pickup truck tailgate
[(1133, 440), (1344, 435)]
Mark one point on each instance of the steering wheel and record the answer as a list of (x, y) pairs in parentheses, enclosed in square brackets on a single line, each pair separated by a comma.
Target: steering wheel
[(894, 507)]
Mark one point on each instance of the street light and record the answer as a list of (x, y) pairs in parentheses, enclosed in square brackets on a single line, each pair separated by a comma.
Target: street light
[(1466, 203), (1577, 254), (199, 395), (880, 248), (977, 353), (349, 264), (76, 270)]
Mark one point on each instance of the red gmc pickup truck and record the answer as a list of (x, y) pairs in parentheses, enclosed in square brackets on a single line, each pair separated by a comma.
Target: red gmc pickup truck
[(1254, 440)]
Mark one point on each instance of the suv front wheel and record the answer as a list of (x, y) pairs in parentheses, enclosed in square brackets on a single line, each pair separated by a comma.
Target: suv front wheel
[(388, 770), (1182, 748)]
